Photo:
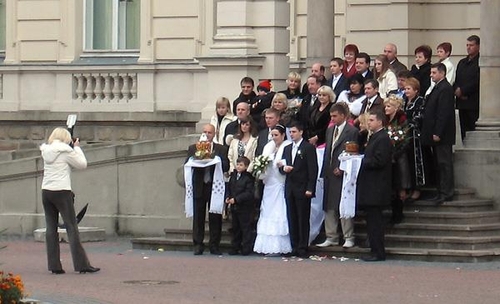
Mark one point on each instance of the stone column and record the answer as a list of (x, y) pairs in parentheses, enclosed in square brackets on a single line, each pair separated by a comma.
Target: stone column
[(477, 163), (232, 56), (234, 32), (488, 125), (490, 66), (320, 31)]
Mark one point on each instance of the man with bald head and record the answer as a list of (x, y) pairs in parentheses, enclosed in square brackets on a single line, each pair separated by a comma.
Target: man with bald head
[(391, 51), (317, 70), (203, 179), (242, 113)]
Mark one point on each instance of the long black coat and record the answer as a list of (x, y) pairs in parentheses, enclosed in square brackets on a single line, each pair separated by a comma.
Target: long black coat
[(439, 115), (318, 123), (467, 79), (242, 190), (423, 75), (374, 184), (333, 184)]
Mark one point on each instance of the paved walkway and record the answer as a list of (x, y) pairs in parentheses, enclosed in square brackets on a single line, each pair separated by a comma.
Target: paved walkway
[(138, 276)]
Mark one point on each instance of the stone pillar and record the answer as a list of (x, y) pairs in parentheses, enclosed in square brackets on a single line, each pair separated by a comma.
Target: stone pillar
[(477, 164), (490, 66), (234, 34), (320, 31)]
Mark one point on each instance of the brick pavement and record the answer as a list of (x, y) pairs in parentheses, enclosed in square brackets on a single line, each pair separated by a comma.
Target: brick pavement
[(136, 276)]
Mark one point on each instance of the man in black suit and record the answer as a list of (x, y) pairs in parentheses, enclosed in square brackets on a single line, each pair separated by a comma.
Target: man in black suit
[(272, 117), (373, 99), (301, 169), (310, 101), (438, 131), (336, 137), (338, 82), (242, 113), (374, 190), (362, 65), (202, 190), (467, 87)]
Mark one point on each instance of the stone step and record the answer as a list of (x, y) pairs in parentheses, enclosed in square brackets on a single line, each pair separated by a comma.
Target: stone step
[(464, 205), (458, 193), (456, 218), (187, 234), (415, 254), (438, 242), (474, 230)]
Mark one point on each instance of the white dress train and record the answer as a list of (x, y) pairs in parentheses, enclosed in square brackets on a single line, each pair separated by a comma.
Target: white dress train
[(272, 228)]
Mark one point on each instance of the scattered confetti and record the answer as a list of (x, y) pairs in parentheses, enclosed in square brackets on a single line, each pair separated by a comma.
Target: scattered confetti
[(145, 258)]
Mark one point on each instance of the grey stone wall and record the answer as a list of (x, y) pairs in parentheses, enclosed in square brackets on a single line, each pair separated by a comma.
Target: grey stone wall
[(131, 188)]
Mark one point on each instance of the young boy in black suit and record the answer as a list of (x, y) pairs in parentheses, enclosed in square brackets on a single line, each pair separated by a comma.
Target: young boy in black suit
[(241, 200)]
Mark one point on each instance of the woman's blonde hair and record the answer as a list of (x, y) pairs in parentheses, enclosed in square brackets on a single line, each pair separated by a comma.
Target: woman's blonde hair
[(280, 97), (223, 101), (294, 76), (60, 134), (394, 101), (328, 91)]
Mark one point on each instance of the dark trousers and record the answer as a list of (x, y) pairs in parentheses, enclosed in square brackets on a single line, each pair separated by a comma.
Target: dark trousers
[(443, 157), (242, 230), (214, 220), (468, 120), (298, 213), (55, 202), (375, 230)]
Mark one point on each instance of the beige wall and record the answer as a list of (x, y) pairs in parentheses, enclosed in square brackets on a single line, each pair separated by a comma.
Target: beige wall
[(370, 24), (187, 47)]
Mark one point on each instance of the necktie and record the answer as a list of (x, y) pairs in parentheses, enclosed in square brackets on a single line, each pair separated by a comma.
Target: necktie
[(313, 100), (238, 176), (335, 137), (269, 137), (294, 152)]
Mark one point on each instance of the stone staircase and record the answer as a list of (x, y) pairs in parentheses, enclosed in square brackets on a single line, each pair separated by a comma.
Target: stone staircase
[(464, 230)]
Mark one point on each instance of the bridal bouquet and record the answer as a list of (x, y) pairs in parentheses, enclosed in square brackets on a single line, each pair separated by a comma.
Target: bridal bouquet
[(259, 165)]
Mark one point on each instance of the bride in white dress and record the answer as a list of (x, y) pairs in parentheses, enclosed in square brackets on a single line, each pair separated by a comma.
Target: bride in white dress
[(272, 227)]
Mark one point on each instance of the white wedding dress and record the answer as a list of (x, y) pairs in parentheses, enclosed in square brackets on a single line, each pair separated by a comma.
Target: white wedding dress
[(272, 228)]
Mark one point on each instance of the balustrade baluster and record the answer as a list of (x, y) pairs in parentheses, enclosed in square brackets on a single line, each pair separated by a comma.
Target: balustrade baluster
[(117, 87), (126, 87), (133, 90), (89, 89), (80, 80), (98, 90), (107, 88)]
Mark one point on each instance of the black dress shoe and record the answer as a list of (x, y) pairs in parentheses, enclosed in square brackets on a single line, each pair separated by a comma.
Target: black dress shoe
[(90, 269), (58, 271), (198, 252), (372, 258), (215, 252)]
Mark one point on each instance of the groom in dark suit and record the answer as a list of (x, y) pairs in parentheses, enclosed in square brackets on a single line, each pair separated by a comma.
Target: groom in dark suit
[(301, 169), (202, 190)]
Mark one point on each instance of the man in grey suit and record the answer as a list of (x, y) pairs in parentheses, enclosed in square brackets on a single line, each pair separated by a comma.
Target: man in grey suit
[(336, 137)]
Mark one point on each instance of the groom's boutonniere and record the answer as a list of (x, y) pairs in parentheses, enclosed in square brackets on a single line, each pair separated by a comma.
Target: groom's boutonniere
[(299, 153)]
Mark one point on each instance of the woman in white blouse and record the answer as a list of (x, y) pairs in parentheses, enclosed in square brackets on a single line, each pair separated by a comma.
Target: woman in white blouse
[(243, 144), (386, 78)]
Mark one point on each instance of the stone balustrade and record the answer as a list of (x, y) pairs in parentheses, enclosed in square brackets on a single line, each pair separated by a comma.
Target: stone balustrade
[(105, 87)]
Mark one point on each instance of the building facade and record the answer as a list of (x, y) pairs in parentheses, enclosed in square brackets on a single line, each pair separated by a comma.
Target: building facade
[(153, 56)]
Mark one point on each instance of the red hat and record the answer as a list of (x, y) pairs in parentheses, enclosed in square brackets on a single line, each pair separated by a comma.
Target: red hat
[(264, 85)]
